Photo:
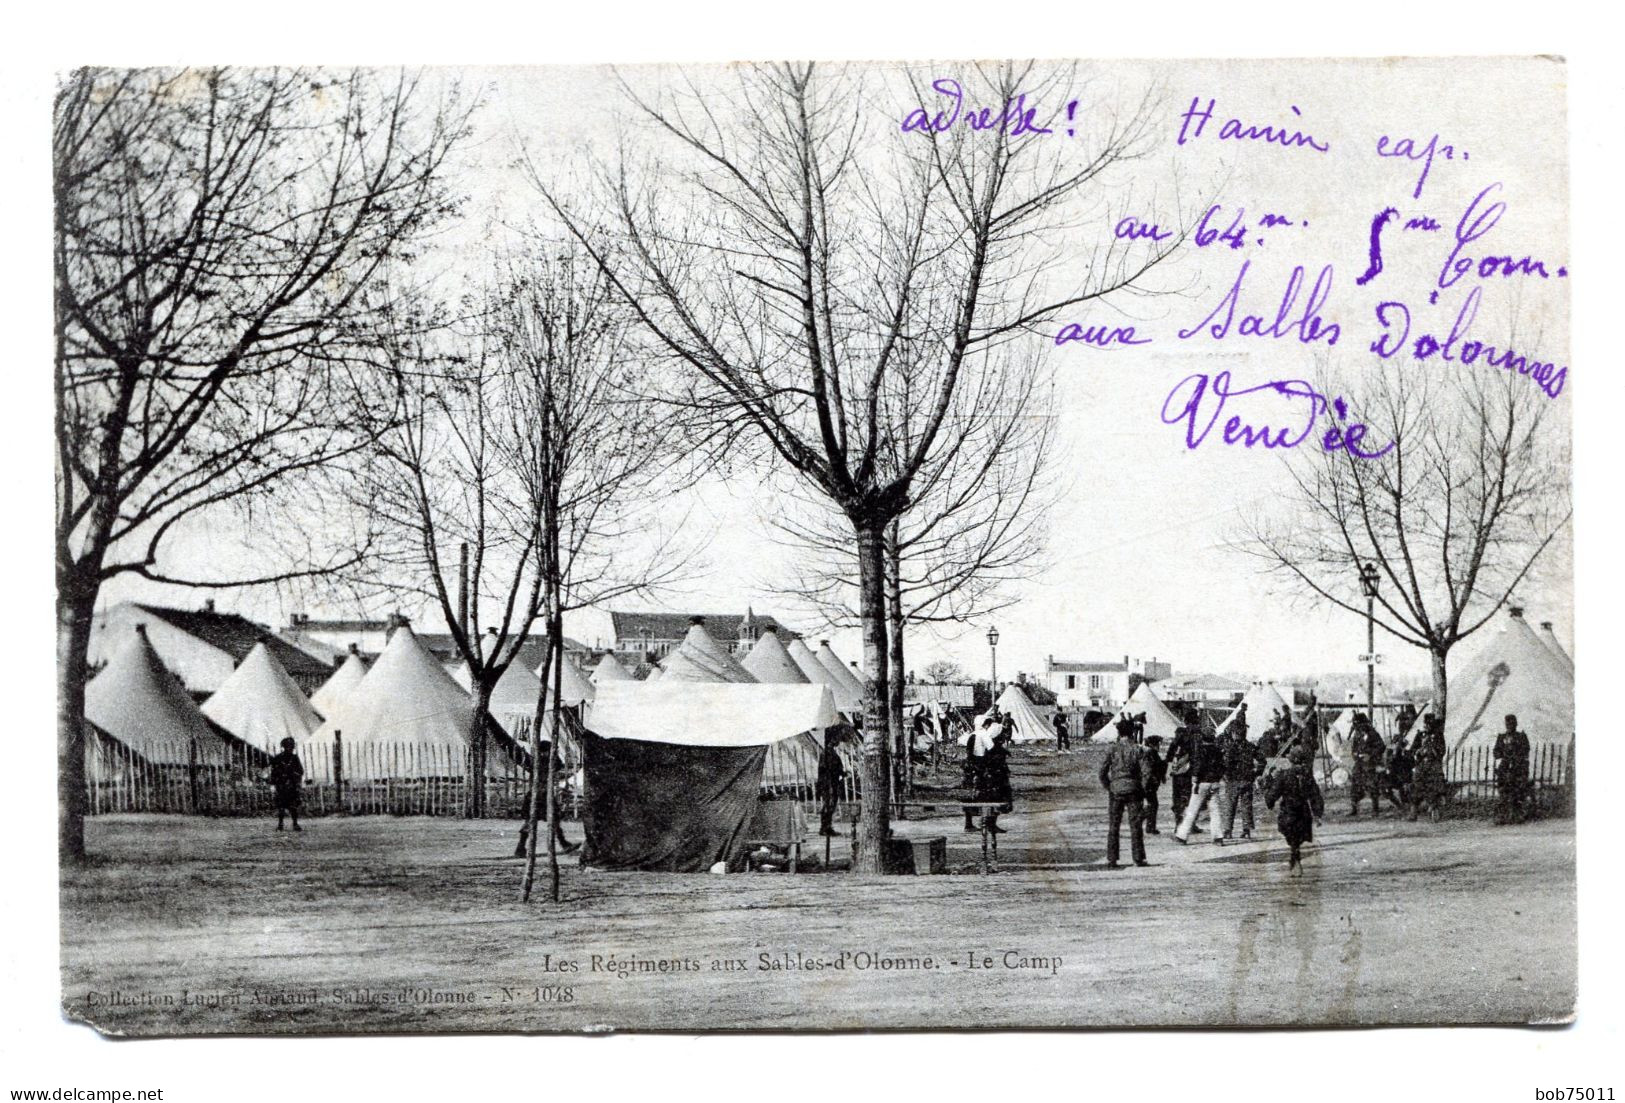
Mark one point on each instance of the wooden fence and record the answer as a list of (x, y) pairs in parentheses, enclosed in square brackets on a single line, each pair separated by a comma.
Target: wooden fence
[(398, 779), (1470, 772)]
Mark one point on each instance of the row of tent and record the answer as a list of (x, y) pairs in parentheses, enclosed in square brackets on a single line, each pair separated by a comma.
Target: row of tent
[(1515, 671)]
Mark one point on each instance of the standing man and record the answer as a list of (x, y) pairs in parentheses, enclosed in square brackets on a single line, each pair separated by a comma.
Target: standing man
[(1063, 738), (1208, 768), (287, 775), (977, 744), (1181, 755), (1428, 784), (1242, 765), (1399, 769), (1123, 776), (1367, 749), (829, 787), (1511, 772), (1156, 770)]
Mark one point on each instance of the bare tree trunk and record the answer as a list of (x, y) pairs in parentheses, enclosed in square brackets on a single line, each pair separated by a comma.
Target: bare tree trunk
[(874, 820), (901, 767), (555, 642), (527, 840), (75, 609), (479, 739), (1439, 690)]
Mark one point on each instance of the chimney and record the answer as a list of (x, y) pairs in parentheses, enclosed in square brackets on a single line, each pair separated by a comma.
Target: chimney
[(298, 620), (1125, 662), (355, 649), (1546, 624), (208, 605), (823, 643), (1516, 611)]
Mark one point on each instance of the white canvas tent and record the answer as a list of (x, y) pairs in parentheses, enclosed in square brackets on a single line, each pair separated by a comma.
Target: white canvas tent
[(819, 674), (1028, 724), (1159, 718), (712, 715), (342, 683), (260, 704), (1262, 700), (137, 702), (407, 718), (1512, 672), (843, 674), (574, 686), (769, 662), (1549, 637), (609, 669), (699, 658)]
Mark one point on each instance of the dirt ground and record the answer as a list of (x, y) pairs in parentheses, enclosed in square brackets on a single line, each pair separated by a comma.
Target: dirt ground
[(187, 925)]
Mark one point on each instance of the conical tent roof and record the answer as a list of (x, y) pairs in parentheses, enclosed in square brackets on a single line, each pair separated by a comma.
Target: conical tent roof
[(1159, 718), (609, 669), (515, 694), (1513, 672), (1262, 700), (826, 655), (1549, 638), (574, 686), (459, 673), (769, 662), (817, 673), (406, 700), (138, 702), (342, 683), (699, 650), (1029, 726), (260, 704)]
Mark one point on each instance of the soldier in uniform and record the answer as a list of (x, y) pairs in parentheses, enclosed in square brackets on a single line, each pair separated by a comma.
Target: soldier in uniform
[(1300, 804), (1124, 775), (1063, 737), (829, 787), (1398, 771), (1156, 773), (995, 778), (287, 775), (1428, 784), (1181, 753), (1511, 772), (1367, 749), (1242, 765), (1207, 767), (1269, 744)]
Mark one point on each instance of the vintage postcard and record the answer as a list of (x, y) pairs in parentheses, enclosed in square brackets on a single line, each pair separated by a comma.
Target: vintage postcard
[(815, 546)]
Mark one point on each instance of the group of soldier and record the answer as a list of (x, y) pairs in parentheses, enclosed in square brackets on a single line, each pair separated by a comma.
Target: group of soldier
[(1219, 773)]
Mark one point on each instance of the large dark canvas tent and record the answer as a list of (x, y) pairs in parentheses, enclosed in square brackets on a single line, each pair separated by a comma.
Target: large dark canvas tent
[(673, 770)]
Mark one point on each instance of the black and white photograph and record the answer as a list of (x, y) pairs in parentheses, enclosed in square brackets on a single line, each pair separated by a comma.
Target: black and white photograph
[(801, 546)]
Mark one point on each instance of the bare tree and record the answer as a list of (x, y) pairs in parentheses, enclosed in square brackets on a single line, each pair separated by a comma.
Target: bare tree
[(835, 286), (600, 460), (1454, 516), (216, 235), (974, 527)]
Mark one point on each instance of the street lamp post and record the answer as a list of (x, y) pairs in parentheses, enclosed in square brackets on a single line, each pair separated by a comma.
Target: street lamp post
[(1368, 585), (993, 652)]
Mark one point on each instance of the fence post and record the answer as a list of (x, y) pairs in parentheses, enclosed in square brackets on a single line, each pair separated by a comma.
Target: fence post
[(338, 770), (191, 775)]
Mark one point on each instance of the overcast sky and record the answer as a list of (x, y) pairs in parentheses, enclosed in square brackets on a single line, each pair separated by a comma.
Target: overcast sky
[(1138, 562)]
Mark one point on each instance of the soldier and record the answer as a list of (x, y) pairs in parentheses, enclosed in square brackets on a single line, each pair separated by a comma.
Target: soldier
[(1269, 744), (1063, 737), (1123, 775), (1398, 771), (1367, 749), (977, 744), (1301, 805), (287, 775), (1207, 766), (1242, 765), (829, 787), (1181, 752), (1511, 772), (995, 779), (1428, 784), (1156, 773)]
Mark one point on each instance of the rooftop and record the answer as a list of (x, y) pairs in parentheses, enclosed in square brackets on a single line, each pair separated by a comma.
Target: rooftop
[(236, 635), (674, 626)]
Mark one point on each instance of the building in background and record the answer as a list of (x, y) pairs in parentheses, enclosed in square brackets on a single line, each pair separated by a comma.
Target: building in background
[(649, 637), (202, 646), (1202, 689), (333, 639), (1096, 684)]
